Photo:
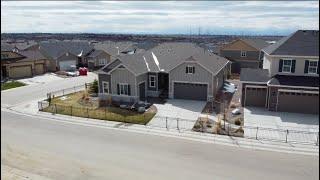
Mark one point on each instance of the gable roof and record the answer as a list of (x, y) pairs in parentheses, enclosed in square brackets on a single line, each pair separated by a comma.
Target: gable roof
[(55, 49), (25, 45), (32, 55), (300, 43), (166, 56), (256, 43), (96, 53), (254, 75)]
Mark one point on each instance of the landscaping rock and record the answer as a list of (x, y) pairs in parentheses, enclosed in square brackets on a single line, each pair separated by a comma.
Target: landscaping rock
[(141, 109)]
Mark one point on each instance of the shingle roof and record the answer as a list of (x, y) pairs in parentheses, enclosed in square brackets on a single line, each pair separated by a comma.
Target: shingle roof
[(24, 45), (305, 81), (300, 43), (54, 49), (111, 47), (254, 75), (169, 55), (32, 55), (256, 43), (6, 47), (95, 53)]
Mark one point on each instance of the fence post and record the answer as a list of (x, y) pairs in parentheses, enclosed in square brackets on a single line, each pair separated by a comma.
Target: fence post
[(167, 122), (287, 132), (71, 110), (317, 143), (257, 133), (55, 108), (88, 112), (178, 123), (228, 129), (105, 113), (62, 92)]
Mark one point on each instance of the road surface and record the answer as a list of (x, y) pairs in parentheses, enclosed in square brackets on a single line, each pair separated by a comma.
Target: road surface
[(57, 150)]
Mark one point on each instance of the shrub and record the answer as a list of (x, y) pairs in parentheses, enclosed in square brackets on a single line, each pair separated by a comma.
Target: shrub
[(237, 122), (197, 126), (94, 88), (209, 125)]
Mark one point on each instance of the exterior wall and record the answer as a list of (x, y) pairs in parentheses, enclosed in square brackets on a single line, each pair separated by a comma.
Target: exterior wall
[(122, 75), (95, 60), (103, 77), (238, 45), (218, 81), (139, 79), (152, 91), (272, 63), (236, 55), (201, 76)]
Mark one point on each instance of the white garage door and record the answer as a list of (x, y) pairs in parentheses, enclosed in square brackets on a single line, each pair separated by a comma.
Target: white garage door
[(66, 65)]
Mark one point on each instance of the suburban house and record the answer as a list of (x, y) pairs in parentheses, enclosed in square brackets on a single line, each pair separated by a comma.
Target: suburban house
[(244, 53), (20, 64), (63, 55), (98, 59), (169, 70), (289, 80), (24, 46)]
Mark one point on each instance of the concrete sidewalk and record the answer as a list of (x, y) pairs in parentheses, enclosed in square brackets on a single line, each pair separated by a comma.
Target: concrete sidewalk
[(306, 149)]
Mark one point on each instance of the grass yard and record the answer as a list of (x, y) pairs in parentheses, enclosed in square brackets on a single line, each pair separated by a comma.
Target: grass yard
[(12, 84), (74, 105)]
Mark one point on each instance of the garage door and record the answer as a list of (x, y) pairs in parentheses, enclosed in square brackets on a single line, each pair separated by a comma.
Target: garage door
[(190, 91), (20, 71), (66, 65), (39, 69), (255, 96), (298, 102)]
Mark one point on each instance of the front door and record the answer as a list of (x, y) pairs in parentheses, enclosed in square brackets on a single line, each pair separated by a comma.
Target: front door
[(142, 91)]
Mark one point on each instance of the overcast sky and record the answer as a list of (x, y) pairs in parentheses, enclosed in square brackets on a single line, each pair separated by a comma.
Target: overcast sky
[(168, 17)]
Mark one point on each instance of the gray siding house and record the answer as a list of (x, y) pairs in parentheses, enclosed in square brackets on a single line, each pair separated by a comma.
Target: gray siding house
[(169, 70), (289, 80), (244, 53)]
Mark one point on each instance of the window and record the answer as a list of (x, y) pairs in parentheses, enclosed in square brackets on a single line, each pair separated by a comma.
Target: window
[(105, 87), (243, 53), (190, 69), (313, 67), (287, 66), (124, 89), (152, 81), (102, 62)]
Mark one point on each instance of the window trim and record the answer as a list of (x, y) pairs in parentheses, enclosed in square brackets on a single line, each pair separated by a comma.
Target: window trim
[(283, 65), (152, 76), (102, 64), (313, 67), (103, 89), (124, 84), (245, 53), (188, 69)]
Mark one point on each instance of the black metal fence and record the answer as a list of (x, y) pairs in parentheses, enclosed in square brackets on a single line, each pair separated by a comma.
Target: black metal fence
[(66, 91)]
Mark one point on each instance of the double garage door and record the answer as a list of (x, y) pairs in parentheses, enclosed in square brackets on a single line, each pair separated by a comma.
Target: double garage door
[(67, 64), (298, 102), (255, 96), (190, 91)]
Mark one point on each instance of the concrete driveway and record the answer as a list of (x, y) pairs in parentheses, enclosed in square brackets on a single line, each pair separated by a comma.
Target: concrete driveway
[(302, 128), (187, 111), (41, 79)]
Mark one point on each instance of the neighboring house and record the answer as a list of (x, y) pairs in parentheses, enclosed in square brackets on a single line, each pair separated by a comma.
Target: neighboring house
[(65, 54), (98, 59), (289, 80), (25, 46), (21, 64), (244, 53), (169, 70)]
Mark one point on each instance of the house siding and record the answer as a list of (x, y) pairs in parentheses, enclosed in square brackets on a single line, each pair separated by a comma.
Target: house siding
[(272, 63), (218, 81), (112, 65), (122, 75), (201, 76), (104, 77), (236, 55), (139, 79)]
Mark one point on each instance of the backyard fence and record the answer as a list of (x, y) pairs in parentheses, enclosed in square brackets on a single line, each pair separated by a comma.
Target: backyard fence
[(66, 91), (102, 113)]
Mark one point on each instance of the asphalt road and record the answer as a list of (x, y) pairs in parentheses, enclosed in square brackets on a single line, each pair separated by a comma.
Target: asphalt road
[(58, 150), (39, 91)]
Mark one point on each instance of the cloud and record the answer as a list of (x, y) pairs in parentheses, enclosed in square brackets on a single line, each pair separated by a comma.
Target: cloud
[(263, 17)]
